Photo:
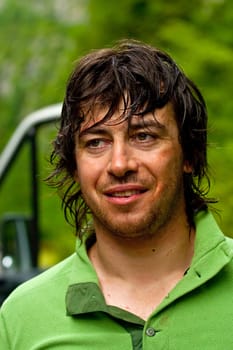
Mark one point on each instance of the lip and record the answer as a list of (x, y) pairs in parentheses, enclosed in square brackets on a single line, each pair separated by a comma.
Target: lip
[(124, 194)]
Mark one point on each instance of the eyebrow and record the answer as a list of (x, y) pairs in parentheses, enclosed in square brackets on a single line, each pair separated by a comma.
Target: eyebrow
[(147, 124), (95, 129), (141, 123)]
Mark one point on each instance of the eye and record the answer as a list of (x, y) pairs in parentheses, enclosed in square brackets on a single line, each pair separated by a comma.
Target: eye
[(143, 136), (96, 143)]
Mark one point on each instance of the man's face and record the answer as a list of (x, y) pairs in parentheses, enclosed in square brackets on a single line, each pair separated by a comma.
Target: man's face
[(131, 176)]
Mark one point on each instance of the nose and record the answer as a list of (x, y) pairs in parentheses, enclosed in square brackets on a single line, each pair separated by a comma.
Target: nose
[(122, 160)]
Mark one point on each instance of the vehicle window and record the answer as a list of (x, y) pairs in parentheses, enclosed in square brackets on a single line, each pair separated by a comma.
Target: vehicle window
[(56, 236)]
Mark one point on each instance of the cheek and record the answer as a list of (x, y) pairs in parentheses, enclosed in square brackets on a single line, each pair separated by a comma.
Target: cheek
[(169, 160), (87, 173), (170, 168)]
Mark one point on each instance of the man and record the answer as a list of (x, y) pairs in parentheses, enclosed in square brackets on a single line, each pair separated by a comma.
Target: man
[(152, 270)]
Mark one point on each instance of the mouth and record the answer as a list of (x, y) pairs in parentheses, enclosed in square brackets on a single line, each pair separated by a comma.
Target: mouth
[(125, 194)]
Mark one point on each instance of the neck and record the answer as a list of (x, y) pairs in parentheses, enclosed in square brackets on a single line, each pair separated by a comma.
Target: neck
[(134, 270), (132, 259)]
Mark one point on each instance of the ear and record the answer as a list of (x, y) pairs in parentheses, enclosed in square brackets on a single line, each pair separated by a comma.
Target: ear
[(188, 169), (75, 176)]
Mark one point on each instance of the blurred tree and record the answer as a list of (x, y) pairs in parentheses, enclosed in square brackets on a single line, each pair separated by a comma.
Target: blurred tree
[(40, 42)]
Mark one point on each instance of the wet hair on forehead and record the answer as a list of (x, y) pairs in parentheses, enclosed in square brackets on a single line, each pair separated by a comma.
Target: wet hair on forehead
[(99, 115), (137, 75)]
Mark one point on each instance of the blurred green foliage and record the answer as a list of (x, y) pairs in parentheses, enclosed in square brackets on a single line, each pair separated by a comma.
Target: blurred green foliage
[(41, 40)]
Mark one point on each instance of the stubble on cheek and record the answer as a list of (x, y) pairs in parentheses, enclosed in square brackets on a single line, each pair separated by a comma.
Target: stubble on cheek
[(146, 217)]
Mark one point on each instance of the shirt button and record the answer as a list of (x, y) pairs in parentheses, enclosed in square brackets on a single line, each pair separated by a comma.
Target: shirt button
[(150, 332)]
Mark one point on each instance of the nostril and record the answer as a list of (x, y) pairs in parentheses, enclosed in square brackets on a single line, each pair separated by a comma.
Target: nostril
[(122, 167)]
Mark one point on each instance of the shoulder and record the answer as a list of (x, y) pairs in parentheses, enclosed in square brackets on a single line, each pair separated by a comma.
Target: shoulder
[(227, 248), (38, 289), (229, 242)]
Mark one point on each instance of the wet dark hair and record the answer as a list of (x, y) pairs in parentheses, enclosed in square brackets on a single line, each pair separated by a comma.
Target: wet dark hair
[(146, 79)]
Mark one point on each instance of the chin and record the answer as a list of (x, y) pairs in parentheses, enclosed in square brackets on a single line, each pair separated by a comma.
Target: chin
[(130, 231)]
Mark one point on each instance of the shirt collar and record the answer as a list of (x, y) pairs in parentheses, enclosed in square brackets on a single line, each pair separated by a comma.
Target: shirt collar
[(212, 251), (211, 254)]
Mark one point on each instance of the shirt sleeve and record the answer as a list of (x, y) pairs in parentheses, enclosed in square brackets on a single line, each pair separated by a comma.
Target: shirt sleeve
[(4, 338)]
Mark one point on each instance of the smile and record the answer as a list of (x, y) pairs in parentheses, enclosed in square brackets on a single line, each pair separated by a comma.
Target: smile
[(126, 194)]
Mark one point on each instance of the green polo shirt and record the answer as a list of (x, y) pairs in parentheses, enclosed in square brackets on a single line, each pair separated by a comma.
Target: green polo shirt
[(64, 309)]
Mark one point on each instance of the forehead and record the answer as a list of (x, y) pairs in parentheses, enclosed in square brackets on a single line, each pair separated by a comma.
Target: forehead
[(161, 118)]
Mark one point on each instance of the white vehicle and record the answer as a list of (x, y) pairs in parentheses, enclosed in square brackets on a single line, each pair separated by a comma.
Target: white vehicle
[(20, 233)]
